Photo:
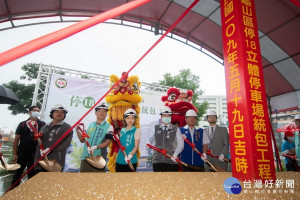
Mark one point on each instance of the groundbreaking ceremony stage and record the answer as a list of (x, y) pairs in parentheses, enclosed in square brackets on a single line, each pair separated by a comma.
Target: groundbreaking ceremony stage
[(257, 82), (148, 185)]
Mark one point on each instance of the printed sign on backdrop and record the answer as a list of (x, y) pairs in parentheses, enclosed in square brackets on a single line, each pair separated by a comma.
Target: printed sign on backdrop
[(79, 95)]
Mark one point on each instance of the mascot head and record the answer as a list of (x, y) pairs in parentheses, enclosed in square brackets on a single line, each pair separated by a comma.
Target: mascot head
[(124, 96), (128, 89), (179, 101)]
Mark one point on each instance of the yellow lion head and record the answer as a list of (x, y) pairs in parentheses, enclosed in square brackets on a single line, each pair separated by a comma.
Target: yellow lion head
[(127, 90)]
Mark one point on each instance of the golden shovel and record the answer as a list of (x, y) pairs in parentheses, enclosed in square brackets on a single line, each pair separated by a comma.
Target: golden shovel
[(95, 161), (49, 165), (9, 167), (220, 169)]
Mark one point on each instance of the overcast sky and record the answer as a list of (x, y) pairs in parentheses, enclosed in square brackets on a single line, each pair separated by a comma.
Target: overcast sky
[(108, 49)]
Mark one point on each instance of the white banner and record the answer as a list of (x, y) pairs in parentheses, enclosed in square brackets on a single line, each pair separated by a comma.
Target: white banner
[(79, 95)]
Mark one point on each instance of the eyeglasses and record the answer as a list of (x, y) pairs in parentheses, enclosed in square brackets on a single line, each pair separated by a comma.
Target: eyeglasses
[(211, 116)]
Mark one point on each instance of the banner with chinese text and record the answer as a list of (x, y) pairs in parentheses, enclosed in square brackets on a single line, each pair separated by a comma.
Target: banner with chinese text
[(250, 139), (79, 95)]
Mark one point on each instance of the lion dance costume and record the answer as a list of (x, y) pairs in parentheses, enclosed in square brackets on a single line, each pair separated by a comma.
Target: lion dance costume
[(124, 96), (179, 101)]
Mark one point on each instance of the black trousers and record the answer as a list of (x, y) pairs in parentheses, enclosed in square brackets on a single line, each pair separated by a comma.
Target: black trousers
[(164, 167), (290, 167), (25, 160), (124, 168)]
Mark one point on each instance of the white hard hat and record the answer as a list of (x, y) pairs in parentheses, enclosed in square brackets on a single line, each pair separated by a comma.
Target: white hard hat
[(102, 105), (166, 110), (59, 106), (297, 116), (130, 111), (211, 112), (190, 113)]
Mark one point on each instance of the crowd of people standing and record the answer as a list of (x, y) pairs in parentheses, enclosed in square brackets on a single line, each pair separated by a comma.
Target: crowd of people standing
[(189, 148)]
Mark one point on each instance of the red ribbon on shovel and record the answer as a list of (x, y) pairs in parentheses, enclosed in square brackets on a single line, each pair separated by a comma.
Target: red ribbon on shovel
[(49, 165), (198, 152), (164, 152), (116, 138), (84, 135), (294, 157), (37, 135), (96, 161), (215, 156)]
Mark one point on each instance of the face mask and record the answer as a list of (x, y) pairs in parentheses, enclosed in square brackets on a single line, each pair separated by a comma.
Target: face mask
[(35, 114), (166, 120), (290, 138)]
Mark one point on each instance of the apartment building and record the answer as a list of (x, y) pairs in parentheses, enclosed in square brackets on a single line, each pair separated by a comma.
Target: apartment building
[(217, 103)]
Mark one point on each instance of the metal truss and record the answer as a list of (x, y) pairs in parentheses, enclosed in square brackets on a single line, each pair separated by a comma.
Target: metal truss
[(41, 90)]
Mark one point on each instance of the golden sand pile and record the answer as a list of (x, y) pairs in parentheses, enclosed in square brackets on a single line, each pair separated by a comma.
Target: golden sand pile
[(148, 185)]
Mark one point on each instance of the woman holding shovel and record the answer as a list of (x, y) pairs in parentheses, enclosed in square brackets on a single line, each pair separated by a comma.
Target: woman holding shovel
[(50, 133), (130, 137)]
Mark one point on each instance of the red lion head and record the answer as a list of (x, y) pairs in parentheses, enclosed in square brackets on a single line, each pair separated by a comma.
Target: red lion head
[(179, 101)]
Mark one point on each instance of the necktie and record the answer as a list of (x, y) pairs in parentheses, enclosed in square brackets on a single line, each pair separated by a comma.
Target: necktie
[(165, 128), (211, 132)]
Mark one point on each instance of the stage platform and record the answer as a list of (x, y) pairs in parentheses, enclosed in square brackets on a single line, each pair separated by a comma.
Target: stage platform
[(147, 185)]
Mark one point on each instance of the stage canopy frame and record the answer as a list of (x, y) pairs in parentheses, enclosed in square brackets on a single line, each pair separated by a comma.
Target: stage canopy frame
[(278, 23)]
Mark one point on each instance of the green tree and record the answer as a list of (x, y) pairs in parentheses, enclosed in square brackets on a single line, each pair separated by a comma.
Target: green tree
[(23, 91), (31, 71), (186, 80)]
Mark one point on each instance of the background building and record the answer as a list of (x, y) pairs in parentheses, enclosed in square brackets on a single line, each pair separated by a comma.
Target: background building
[(280, 118), (217, 103)]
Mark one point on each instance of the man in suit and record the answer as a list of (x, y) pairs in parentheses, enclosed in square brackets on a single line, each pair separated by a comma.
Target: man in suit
[(219, 141)]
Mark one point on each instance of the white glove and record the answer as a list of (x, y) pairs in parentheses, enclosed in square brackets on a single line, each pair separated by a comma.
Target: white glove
[(174, 159), (286, 152), (221, 157), (204, 157), (147, 147), (43, 151), (91, 149), (128, 158)]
